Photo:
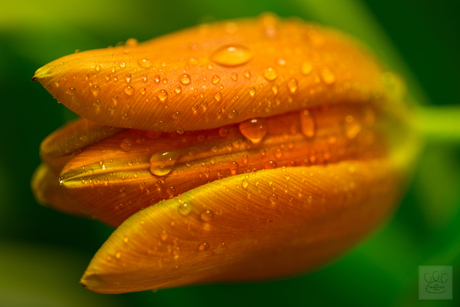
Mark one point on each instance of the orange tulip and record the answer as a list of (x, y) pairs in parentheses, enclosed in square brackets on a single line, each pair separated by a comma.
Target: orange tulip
[(247, 150)]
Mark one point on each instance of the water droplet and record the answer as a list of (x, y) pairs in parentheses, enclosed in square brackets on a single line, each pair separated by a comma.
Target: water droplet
[(245, 183), (218, 96), (232, 114), (95, 90), (185, 79), (307, 123), (292, 85), (178, 89), (233, 166), (157, 78), (270, 23), (247, 74), (145, 78), (231, 55), (126, 144), (162, 162), (275, 89), (203, 247), (207, 216), (270, 165), (234, 76), (71, 91), (278, 153), (180, 130), (273, 199), (185, 209), (306, 68), (144, 63), (254, 129), (143, 91), (125, 239), (223, 131), (98, 67), (352, 127), (176, 115), (215, 79), (122, 64), (270, 74), (131, 42), (118, 255), (129, 90), (245, 159), (162, 95), (327, 76), (252, 91)]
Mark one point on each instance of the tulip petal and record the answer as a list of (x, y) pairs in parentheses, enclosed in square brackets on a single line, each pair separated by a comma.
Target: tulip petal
[(48, 192), (217, 74), (282, 222), (121, 175)]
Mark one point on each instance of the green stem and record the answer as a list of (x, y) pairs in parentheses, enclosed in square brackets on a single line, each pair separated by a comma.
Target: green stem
[(440, 123)]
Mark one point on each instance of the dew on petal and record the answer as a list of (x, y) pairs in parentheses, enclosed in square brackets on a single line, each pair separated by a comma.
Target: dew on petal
[(307, 123), (270, 74), (162, 162), (254, 129), (231, 55)]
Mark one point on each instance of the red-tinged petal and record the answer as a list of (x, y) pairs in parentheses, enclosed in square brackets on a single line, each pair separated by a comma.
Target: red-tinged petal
[(121, 175), (217, 74), (48, 192), (247, 227)]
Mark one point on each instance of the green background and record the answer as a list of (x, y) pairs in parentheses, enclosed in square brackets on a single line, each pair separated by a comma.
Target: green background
[(43, 253)]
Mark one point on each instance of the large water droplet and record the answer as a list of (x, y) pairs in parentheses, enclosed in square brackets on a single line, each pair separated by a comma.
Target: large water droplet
[(270, 74), (231, 55), (162, 162), (307, 123), (254, 129)]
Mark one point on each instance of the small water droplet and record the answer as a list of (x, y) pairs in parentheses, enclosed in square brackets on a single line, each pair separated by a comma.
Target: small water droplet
[(252, 91), (278, 153), (203, 247), (327, 76), (232, 114), (292, 85), (247, 74), (122, 64), (307, 123), (245, 183), (98, 67), (270, 165), (234, 76), (185, 209), (143, 91), (275, 89), (306, 68), (215, 79), (144, 63), (223, 131), (180, 130), (95, 90), (273, 199), (71, 91), (207, 216), (176, 115), (254, 129), (157, 78), (185, 79), (118, 255), (352, 127), (233, 166), (163, 235), (178, 89), (126, 144), (129, 90), (270, 74), (162, 95), (162, 162), (218, 96)]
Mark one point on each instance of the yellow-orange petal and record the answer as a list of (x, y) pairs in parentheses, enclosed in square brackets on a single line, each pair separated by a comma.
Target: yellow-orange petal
[(216, 74), (47, 191), (121, 175), (256, 226)]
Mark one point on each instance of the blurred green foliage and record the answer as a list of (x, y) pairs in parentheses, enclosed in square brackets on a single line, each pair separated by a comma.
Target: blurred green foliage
[(44, 253)]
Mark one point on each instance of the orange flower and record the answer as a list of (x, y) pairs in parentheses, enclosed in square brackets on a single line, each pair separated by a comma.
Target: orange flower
[(247, 150)]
